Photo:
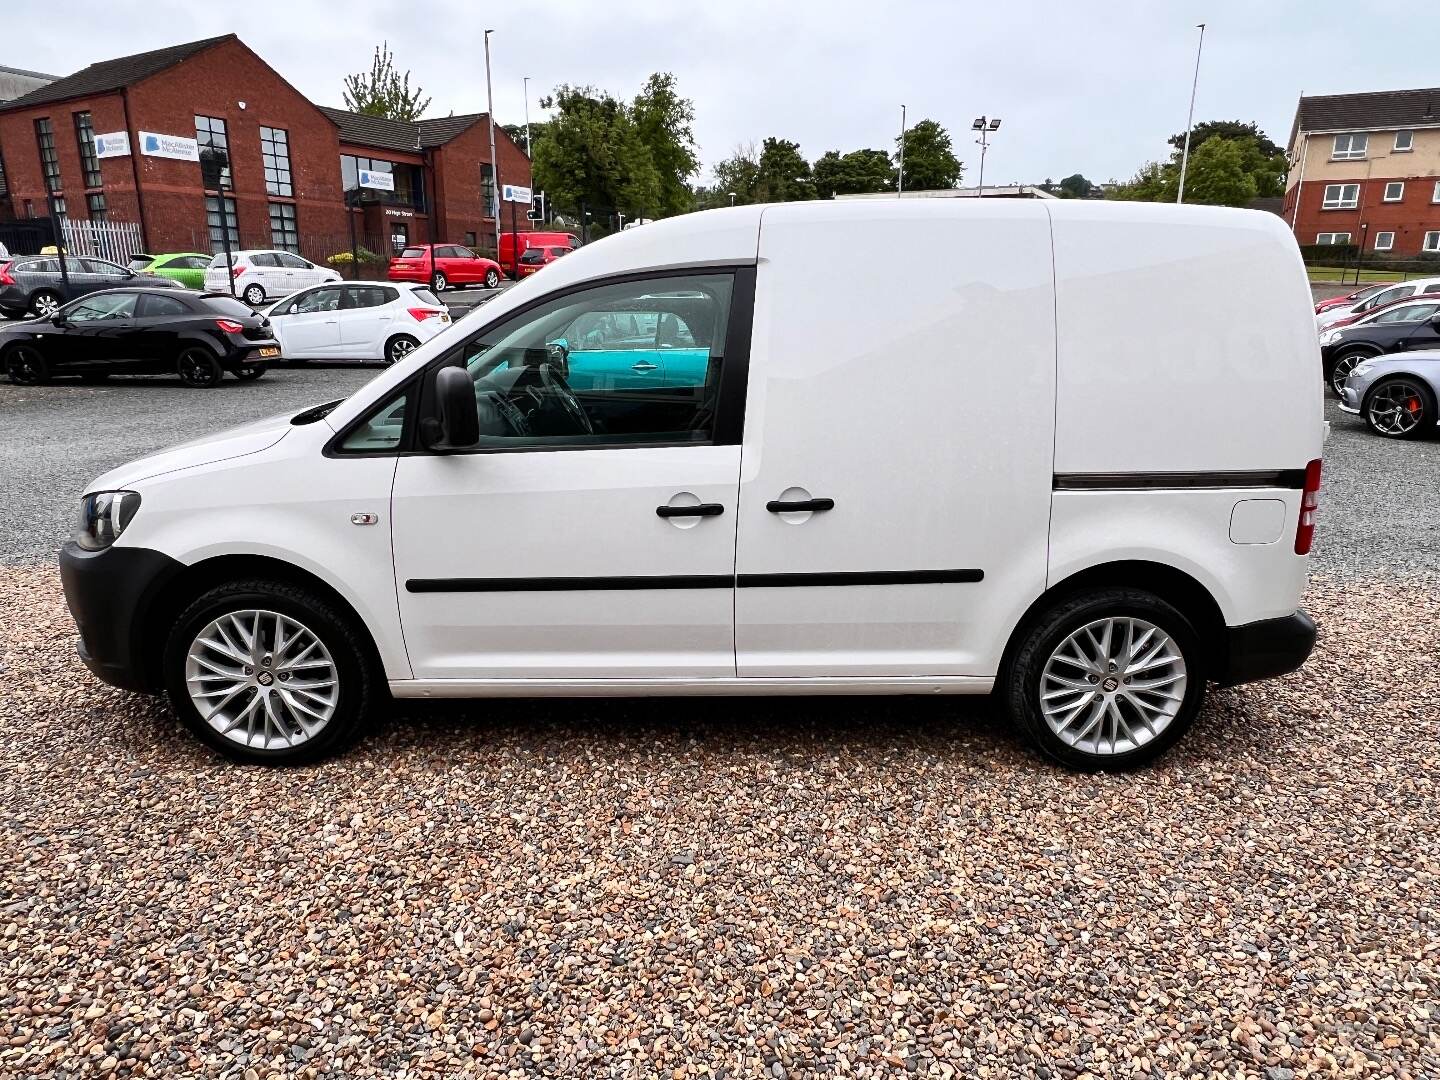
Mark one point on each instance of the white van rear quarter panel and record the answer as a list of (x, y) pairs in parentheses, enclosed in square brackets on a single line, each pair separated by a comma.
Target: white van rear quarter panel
[(1186, 341)]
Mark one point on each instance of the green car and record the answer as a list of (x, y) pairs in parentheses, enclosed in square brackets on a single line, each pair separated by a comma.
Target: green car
[(186, 267)]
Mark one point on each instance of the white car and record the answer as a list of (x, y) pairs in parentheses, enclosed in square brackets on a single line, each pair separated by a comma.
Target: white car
[(264, 275), (674, 464), (1401, 290), (357, 320)]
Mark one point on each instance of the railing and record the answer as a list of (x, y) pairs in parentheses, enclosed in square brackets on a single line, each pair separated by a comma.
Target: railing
[(113, 240)]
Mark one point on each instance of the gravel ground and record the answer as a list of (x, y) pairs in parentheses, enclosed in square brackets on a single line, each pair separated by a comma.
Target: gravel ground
[(779, 888)]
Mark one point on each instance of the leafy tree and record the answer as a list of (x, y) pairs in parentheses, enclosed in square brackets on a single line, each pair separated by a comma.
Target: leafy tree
[(1227, 129), (856, 173), (930, 161), (784, 174), (1075, 187), (1228, 168), (1153, 183), (517, 132), (1261, 158), (1218, 175), (592, 155), (383, 91), (663, 121), (739, 173)]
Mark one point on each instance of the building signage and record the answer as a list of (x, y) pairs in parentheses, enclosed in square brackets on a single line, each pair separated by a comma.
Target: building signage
[(514, 193), (398, 213), (112, 144), (174, 147), (380, 181)]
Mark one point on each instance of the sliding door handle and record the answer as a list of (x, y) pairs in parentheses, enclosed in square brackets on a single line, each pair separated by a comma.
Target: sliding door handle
[(800, 506), (698, 510)]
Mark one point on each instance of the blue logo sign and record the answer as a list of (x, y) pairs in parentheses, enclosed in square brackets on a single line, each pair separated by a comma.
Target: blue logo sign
[(152, 144)]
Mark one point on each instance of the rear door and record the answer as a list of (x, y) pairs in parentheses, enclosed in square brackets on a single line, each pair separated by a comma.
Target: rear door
[(154, 343), (895, 495), (363, 320)]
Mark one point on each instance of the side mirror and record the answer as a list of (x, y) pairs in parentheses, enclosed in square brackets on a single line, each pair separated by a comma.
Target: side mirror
[(58, 319), (1435, 320), (459, 423)]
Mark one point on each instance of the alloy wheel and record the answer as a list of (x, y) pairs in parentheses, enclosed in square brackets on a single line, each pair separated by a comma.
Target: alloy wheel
[(401, 348), (25, 366), (1396, 408), (1341, 371), (1112, 686), (45, 305), (262, 679)]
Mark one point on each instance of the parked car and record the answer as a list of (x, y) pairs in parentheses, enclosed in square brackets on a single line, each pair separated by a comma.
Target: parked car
[(140, 261), (33, 284), (264, 275), (515, 244), (1395, 394), (537, 258), (1350, 299), (443, 265), (871, 542), (1399, 328), (652, 340), (186, 267), (358, 320), (1338, 316), (143, 330)]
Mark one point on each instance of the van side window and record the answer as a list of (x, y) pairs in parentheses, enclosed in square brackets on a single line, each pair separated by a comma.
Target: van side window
[(623, 364), (381, 431)]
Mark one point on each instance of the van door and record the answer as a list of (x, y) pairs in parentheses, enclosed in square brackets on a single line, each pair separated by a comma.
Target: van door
[(895, 495), (590, 535)]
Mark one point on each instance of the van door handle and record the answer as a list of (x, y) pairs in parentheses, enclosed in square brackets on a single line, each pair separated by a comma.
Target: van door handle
[(800, 506), (698, 510), (643, 365)]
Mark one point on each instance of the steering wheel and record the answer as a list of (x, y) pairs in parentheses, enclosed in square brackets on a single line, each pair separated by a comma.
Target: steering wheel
[(555, 387)]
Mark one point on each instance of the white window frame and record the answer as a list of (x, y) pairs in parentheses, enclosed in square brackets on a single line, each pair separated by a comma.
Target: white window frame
[(1351, 151), (1399, 195), (1334, 238), (1409, 142), (1435, 197), (1389, 242), (1339, 202), (1432, 242)]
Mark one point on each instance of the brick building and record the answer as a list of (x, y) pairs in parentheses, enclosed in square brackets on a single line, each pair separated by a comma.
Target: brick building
[(290, 161), (1365, 168)]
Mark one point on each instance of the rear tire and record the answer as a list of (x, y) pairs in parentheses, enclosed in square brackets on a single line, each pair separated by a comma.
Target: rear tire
[(1394, 403), (1070, 712), (44, 303), (334, 695), (254, 295), (199, 369), (399, 347)]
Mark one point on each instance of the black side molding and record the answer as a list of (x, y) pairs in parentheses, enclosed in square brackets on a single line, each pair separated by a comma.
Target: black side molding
[(864, 577), (1144, 481), (693, 581)]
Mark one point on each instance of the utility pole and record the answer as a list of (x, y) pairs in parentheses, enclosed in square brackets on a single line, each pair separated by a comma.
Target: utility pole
[(900, 175), (494, 162), (1190, 119), (525, 83)]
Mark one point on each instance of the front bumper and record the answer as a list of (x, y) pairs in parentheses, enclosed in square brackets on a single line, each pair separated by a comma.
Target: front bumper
[(111, 594), (1265, 649), (1350, 398)]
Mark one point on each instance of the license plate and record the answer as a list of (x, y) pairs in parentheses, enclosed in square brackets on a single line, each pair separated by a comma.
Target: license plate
[(268, 352), (444, 318)]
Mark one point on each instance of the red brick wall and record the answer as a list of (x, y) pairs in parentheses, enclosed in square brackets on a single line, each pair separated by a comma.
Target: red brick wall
[(1409, 219), (459, 201), (22, 158)]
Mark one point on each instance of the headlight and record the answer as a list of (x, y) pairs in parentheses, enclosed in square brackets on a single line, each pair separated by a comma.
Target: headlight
[(103, 517)]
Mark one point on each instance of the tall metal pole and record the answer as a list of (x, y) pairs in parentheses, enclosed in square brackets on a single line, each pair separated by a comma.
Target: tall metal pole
[(525, 82), (494, 163), (984, 142), (1190, 119), (900, 176)]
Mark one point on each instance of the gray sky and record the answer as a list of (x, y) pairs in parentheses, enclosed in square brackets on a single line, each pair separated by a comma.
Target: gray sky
[(1093, 87)]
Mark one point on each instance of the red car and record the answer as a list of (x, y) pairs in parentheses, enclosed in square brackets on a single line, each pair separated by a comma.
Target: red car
[(537, 258), (443, 265), (1350, 298)]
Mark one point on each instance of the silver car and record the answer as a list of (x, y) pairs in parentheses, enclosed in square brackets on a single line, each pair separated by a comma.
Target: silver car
[(1395, 393)]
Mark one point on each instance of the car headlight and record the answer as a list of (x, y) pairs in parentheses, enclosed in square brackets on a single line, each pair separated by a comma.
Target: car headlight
[(103, 517)]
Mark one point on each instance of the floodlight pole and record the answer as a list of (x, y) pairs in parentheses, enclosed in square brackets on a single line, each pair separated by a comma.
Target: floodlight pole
[(900, 174), (985, 127), (1190, 119)]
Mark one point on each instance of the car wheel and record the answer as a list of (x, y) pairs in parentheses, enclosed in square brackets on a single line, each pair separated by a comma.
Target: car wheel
[(438, 282), (399, 347), (269, 673), (254, 295), (1108, 679), (1344, 364), (26, 366), (492, 278), (1399, 408), (199, 368), (44, 304), (250, 374)]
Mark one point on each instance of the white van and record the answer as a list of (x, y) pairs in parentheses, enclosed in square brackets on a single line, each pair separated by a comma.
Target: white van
[(719, 455)]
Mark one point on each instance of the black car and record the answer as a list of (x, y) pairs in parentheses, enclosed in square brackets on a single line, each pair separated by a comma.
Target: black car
[(33, 284), (147, 330), (1414, 324)]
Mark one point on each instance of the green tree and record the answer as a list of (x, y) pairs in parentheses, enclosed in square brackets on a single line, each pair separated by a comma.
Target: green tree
[(663, 122), (592, 156), (383, 91), (859, 172), (1218, 175), (1075, 187), (783, 174), (517, 132), (1260, 157), (738, 174), (1153, 183), (1227, 129), (930, 161)]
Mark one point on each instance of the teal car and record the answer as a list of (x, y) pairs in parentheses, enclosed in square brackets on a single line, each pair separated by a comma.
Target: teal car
[(186, 267), (646, 343)]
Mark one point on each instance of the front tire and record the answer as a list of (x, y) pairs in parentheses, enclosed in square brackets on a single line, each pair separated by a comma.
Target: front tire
[(399, 347), (1399, 408), (199, 369), (254, 295), (269, 673), (1107, 679), (26, 367), (1344, 364)]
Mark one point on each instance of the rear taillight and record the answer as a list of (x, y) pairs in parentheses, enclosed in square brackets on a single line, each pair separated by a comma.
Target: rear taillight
[(236, 271), (1309, 504), (230, 326), (5, 278), (420, 314)]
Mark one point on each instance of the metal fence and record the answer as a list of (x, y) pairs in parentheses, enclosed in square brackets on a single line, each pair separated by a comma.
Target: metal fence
[(374, 251), (113, 240)]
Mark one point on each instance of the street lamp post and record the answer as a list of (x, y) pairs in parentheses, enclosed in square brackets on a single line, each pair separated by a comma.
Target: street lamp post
[(494, 162), (732, 197), (986, 128), (525, 83), (900, 173), (1190, 119)]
